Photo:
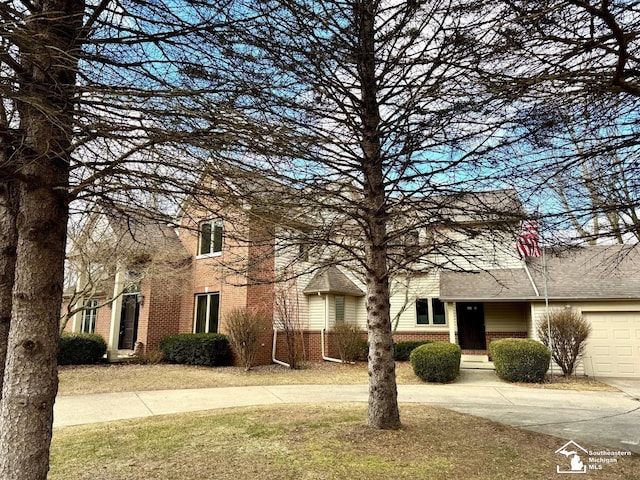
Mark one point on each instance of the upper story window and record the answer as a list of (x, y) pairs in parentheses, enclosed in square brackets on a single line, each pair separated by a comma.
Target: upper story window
[(210, 237)]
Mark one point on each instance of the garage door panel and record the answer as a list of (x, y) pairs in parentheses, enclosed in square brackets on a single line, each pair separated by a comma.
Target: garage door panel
[(619, 334), (613, 348)]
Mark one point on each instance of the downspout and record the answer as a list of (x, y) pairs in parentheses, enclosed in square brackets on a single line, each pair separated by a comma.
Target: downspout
[(326, 327), (273, 350)]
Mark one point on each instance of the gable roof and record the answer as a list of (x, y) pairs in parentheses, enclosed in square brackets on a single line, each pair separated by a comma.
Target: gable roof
[(332, 280), (581, 273)]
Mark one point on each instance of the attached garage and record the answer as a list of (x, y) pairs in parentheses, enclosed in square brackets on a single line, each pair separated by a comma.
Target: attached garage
[(613, 348)]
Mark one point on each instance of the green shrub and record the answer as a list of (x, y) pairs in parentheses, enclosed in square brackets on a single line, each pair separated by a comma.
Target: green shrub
[(349, 340), (196, 349), (569, 332), (520, 359), (402, 350), (436, 362), (80, 348)]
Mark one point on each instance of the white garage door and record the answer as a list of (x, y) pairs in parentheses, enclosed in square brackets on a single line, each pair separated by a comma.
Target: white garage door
[(613, 348)]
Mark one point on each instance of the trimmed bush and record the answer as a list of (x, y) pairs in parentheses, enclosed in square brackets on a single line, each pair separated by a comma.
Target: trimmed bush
[(208, 349), (436, 362), (520, 359), (80, 348), (402, 350)]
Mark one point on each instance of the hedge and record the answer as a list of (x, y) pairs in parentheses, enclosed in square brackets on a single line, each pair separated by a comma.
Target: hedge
[(520, 359), (436, 362), (80, 348), (208, 349), (402, 350)]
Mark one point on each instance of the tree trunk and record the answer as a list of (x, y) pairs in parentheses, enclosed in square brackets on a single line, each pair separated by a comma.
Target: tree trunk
[(8, 242), (47, 43), (383, 394)]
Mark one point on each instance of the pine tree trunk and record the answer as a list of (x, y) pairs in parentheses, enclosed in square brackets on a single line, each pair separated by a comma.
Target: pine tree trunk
[(8, 242), (47, 43), (383, 395)]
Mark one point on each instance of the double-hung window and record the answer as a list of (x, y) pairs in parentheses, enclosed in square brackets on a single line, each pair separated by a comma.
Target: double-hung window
[(89, 315), (207, 310), (210, 237)]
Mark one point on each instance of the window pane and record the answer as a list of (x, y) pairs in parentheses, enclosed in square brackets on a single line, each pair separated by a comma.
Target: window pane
[(339, 304), (201, 314), (438, 311), (89, 314), (422, 311), (217, 237), (205, 238), (214, 306)]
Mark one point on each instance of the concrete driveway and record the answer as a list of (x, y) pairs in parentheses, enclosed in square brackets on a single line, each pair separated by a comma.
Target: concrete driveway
[(605, 419)]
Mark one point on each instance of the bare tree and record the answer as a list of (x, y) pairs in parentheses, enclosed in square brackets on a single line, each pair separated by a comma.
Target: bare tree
[(570, 68), (287, 320), (98, 100), (374, 119)]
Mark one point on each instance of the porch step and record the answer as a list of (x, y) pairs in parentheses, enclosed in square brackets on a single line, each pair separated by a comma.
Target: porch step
[(476, 361)]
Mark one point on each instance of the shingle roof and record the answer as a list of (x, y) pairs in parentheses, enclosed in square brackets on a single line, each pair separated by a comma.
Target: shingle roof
[(332, 280), (139, 235), (586, 273)]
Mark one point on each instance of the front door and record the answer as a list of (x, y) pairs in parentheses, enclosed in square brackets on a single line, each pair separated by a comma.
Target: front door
[(129, 321), (471, 332)]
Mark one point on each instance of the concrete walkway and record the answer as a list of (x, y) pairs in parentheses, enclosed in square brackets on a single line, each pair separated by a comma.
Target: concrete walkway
[(605, 419)]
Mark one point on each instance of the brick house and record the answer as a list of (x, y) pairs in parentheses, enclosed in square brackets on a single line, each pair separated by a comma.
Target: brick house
[(474, 288)]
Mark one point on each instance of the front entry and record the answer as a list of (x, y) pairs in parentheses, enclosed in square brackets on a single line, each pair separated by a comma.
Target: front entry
[(129, 321), (471, 331)]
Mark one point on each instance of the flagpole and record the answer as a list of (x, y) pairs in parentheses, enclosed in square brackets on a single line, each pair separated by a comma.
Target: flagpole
[(546, 291)]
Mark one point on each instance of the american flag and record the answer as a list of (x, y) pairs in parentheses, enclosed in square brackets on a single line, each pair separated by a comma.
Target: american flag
[(528, 244)]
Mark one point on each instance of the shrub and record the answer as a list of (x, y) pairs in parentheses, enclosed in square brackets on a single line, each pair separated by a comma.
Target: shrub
[(569, 333), (80, 348), (244, 331), (402, 350), (436, 361), (350, 341), (208, 349), (520, 359)]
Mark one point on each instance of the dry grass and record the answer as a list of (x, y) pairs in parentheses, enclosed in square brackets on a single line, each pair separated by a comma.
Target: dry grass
[(122, 377), (311, 442), (559, 382)]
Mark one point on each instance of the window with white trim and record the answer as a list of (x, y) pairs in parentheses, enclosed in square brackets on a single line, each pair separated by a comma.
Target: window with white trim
[(89, 316), (430, 311), (339, 307), (210, 241), (207, 309)]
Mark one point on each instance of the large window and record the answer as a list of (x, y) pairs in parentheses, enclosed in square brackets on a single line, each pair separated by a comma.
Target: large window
[(207, 309), (210, 237), (89, 315), (430, 312)]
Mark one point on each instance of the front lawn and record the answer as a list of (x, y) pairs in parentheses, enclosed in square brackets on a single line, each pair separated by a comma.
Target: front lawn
[(107, 378), (311, 442)]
